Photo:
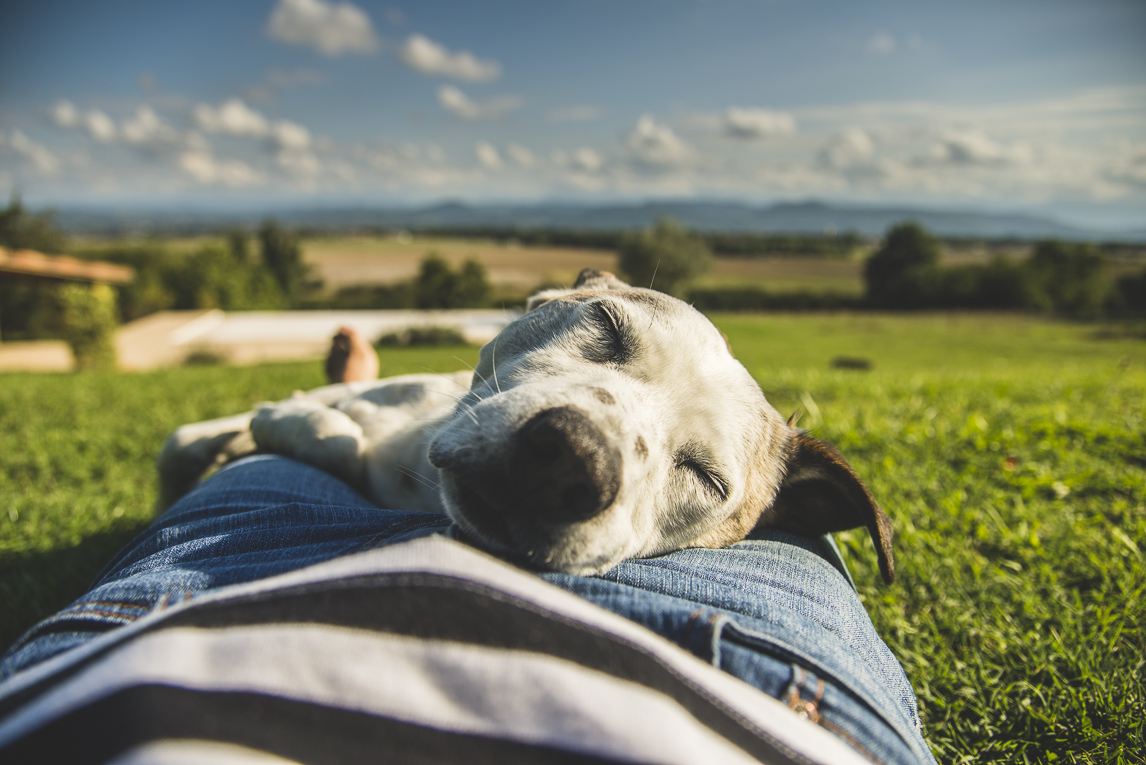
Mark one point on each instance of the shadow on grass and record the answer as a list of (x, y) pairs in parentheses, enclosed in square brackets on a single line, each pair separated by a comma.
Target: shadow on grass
[(34, 585)]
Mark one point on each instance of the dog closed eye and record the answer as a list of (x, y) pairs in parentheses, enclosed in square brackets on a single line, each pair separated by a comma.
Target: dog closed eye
[(694, 467), (612, 341)]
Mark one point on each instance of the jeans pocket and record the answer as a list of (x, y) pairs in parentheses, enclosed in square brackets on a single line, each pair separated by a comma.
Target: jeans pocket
[(872, 723)]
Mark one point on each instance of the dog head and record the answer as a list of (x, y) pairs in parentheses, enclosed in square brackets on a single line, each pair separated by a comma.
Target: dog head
[(611, 422)]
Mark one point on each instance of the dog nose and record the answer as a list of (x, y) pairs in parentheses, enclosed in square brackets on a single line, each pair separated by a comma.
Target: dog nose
[(564, 467)]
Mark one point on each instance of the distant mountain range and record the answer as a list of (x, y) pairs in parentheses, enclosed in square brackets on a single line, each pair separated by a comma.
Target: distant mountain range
[(795, 218)]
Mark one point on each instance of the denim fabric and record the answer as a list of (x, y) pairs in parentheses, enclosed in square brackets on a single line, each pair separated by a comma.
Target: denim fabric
[(775, 610)]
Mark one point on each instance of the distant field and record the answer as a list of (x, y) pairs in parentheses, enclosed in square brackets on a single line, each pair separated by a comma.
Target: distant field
[(1010, 452), (345, 261)]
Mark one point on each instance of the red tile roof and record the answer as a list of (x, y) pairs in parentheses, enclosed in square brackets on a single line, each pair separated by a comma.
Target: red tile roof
[(37, 264)]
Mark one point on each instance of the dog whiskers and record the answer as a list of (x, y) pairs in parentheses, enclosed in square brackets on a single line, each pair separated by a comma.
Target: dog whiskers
[(480, 377), (495, 382), (469, 410), (428, 483), (448, 377)]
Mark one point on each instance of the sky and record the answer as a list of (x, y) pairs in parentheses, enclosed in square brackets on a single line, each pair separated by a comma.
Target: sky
[(1035, 106)]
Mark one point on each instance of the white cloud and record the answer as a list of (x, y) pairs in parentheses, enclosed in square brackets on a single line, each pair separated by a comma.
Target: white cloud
[(974, 147), (850, 147), (487, 155), (300, 162), (145, 128), (329, 28), (520, 155), (657, 146), (290, 135), (457, 102), (233, 117), (65, 114), (586, 159), (43, 159), (881, 43), (207, 170), (100, 126), (236, 118), (428, 57), (1129, 169), (758, 123), (574, 114), (144, 131)]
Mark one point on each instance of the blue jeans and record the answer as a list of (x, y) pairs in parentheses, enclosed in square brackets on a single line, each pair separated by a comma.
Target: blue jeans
[(775, 610)]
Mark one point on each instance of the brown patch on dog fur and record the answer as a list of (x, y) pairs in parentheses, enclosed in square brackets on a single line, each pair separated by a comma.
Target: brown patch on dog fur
[(604, 396), (822, 494), (761, 486), (642, 448)]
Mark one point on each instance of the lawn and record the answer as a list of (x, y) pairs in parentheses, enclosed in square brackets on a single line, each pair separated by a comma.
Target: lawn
[(1010, 452)]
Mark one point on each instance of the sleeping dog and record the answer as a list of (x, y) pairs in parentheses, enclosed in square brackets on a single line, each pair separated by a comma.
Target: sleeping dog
[(608, 422)]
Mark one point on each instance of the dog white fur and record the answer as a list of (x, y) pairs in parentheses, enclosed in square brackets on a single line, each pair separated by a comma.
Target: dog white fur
[(608, 422)]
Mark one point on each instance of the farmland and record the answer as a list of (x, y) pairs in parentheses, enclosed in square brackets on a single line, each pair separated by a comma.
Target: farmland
[(346, 261), (1010, 452)]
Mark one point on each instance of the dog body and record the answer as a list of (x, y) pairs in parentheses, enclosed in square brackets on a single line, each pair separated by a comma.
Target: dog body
[(606, 423)]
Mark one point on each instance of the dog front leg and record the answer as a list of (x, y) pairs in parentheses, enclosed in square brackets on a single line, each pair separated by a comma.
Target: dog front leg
[(314, 433), (191, 449)]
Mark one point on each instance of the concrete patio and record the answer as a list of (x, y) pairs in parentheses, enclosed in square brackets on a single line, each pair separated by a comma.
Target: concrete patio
[(169, 338)]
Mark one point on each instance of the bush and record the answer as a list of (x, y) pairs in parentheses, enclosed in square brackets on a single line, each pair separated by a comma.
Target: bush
[(1068, 278), (664, 257), (757, 299), (439, 286), (422, 336), (367, 297), (903, 272), (88, 318)]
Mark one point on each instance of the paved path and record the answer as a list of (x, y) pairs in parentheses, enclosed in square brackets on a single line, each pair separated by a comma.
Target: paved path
[(168, 338)]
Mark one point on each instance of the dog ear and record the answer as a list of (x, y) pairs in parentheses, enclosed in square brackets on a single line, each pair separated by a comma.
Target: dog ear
[(592, 279), (821, 493), (588, 279)]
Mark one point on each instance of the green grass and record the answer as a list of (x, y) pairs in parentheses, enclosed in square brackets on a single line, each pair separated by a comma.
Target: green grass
[(1010, 452)]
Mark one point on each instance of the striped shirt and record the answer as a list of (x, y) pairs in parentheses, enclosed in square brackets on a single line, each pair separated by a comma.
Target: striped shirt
[(425, 651)]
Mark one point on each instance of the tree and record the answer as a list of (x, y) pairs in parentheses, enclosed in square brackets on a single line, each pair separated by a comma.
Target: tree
[(904, 272), (20, 230), (282, 255), (1131, 293), (214, 278), (1068, 278), (439, 286), (664, 257), (473, 287)]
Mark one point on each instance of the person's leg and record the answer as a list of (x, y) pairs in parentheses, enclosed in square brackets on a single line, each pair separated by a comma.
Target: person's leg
[(258, 517), (773, 611), (776, 612)]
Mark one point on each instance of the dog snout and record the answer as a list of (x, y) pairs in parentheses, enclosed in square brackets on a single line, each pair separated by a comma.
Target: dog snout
[(566, 469)]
